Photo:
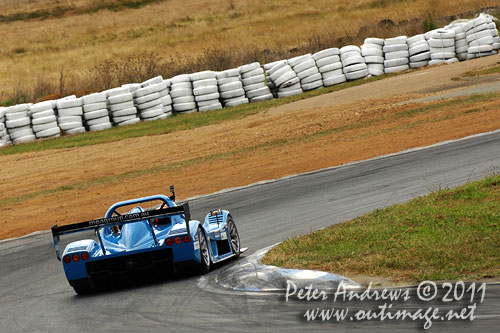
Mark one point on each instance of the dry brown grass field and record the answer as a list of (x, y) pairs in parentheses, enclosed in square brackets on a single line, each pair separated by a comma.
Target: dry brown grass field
[(81, 45)]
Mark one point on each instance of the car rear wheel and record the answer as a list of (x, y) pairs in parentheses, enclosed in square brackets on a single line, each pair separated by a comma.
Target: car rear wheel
[(234, 237), (204, 266)]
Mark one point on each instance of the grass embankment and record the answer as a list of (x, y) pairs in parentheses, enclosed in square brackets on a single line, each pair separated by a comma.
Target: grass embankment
[(172, 124), (486, 71), (53, 10), (63, 46), (452, 234)]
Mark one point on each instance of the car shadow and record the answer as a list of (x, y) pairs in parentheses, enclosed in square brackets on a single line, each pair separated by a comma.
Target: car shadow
[(148, 278)]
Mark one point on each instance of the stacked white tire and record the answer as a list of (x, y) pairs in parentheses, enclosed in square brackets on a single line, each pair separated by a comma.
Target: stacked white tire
[(121, 105), (285, 79), (43, 120), (132, 86), (396, 54), (4, 136), (166, 99), (479, 35), (373, 52), (150, 100), (95, 112), (155, 80), (461, 44), (270, 84), (254, 83), (231, 88), (181, 91), (18, 123), (353, 63), (163, 88), (69, 115), (496, 38), (307, 71), (419, 51), (442, 46), (330, 66), (205, 91)]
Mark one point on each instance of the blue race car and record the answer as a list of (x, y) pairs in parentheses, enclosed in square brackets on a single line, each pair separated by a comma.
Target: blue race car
[(157, 238)]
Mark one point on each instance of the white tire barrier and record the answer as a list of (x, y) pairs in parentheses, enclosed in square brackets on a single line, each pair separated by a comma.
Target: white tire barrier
[(206, 91), (282, 76), (396, 54), (42, 106), (208, 97), (41, 127), (375, 69), (204, 83), (76, 130), (482, 37), (418, 48), (95, 114), (184, 99), (326, 61), (330, 66), (373, 54), (251, 87), (461, 44), (44, 120), (69, 113), (94, 98), (307, 70), (95, 109), (353, 63), (100, 127), (17, 124), (182, 86), (253, 81), (52, 131), (154, 81), (4, 138), (69, 103), (17, 115), (185, 107), (24, 139), (442, 46), (151, 95), (270, 83), (203, 91), (166, 98), (121, 103)]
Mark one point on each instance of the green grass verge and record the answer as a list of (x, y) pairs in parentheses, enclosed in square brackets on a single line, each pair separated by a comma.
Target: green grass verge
[(491, 70), (172, 124), (451, 234)]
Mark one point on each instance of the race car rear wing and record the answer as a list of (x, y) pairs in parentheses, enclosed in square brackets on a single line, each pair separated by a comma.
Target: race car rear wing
[(57, 231)]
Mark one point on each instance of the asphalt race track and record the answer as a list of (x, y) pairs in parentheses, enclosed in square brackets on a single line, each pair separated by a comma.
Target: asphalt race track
[(35, 296)]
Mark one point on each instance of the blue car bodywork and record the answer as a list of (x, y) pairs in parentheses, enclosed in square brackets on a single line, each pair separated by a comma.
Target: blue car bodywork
[(156, 238)]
